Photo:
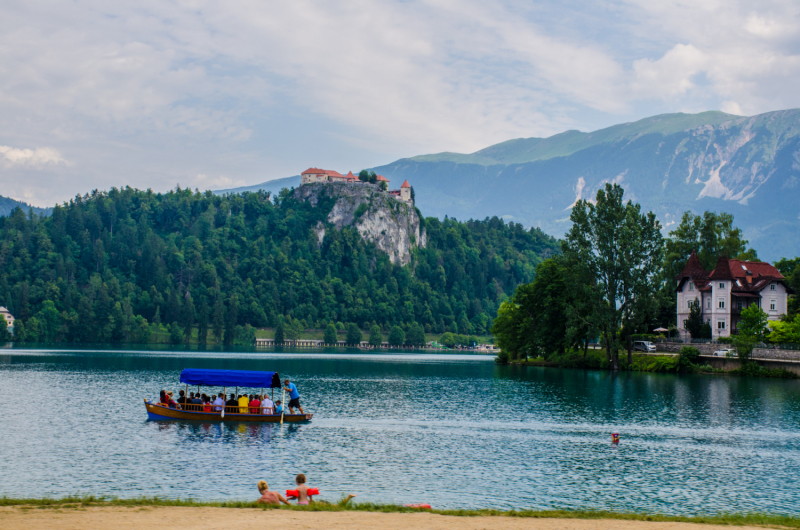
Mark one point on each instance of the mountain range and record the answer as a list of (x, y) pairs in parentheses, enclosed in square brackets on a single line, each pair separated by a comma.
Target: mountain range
[(671, 163), (7, 205)]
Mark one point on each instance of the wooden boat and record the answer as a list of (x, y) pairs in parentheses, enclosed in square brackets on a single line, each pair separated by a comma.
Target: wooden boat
[(225, 379)]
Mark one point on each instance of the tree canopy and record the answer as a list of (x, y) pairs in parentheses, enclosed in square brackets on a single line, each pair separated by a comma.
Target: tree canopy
[(109, 263)]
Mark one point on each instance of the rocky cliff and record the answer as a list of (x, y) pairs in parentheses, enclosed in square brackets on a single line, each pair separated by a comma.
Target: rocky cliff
[(393, 226)]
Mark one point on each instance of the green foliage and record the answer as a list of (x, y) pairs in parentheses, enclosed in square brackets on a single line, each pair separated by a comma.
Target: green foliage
[(752, 369), (416, 335), (784, 330), (5, 336), (753, 322), (375, 336), (243, 259), (695, 325), (175, 333), (354, 335), (330, 334), (687, 359), (361, 210), (279, 334), (396, 336), (744, 344), (712, 235), (622, 251), (790, 268)]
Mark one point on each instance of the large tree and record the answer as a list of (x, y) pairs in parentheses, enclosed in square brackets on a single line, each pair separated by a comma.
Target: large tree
[(622, 249)]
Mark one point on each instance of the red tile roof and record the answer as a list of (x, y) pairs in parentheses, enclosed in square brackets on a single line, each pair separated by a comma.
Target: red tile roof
[(731, 269), (405, 184), (328, 172), (381, 178)]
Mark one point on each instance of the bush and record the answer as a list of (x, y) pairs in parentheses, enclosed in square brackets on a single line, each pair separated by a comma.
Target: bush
[(687, 359), (361, 210)]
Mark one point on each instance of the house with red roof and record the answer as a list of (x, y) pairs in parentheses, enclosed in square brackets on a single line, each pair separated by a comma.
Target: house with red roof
[(313, 175), (732, 286)]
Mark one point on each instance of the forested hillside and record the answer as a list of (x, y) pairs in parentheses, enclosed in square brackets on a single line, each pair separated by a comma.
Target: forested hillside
[(113, 266)]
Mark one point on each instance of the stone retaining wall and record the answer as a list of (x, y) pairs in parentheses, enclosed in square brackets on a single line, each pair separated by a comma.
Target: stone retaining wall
[(708, 349)]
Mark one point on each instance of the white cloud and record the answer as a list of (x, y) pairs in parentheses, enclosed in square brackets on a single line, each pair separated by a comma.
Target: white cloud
[(153, 92), (39, 156)]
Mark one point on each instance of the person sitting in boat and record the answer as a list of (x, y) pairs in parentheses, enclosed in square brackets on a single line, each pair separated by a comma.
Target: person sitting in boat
[(198, 401), (255, 405), (269, 497), (182, 399), (294, 396), (219, 403), (171, 402), (232, 405), (278, 407), (207, 403), (267, 406), (244, 403)]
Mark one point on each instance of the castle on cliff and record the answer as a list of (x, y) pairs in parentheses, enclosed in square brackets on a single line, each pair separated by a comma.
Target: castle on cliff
[(313, 175)]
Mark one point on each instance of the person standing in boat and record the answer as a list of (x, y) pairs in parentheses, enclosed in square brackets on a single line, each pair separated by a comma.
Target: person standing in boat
[(294, 396)]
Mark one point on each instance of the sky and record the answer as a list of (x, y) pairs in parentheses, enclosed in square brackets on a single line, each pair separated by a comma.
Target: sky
[(210, 95)]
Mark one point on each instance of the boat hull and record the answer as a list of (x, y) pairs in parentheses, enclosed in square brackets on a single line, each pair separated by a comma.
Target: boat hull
[(161, 413)]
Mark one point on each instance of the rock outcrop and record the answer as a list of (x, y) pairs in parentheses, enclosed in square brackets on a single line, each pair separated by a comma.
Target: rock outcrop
[(392, 225)]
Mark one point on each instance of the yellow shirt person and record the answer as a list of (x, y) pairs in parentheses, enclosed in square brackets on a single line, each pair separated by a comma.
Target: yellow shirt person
[(244, 404)]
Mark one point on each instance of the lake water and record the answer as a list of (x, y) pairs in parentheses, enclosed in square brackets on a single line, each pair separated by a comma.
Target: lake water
[(452, 431)]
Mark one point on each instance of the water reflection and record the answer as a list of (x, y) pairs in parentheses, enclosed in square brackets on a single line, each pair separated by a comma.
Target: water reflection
[(402, 422)]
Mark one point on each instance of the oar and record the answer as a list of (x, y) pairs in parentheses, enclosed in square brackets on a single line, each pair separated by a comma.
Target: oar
[(223, 405), (283, 404)]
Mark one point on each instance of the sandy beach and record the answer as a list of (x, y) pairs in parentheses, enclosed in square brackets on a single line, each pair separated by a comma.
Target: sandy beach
[(124, 518)]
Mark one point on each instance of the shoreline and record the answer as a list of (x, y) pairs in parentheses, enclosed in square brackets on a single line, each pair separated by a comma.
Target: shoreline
[(97, 512)]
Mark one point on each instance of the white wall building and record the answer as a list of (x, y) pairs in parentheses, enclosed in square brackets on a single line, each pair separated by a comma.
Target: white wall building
[(723, 293)]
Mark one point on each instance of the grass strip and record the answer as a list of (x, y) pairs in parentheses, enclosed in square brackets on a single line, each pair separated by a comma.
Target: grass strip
[(744, 519)]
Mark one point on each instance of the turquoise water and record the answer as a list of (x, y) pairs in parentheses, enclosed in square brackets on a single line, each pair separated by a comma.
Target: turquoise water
[(453, 431)]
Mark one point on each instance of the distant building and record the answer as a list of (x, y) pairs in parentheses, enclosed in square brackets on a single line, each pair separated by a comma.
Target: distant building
[(313, 175), (723, 293), (8, 317)]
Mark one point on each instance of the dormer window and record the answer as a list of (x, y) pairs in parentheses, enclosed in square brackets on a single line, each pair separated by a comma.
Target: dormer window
[(691, 286), (721, 285)]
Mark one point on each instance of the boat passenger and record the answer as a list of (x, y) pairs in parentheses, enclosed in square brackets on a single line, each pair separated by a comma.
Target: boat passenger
[(182, 399), (206, 403), (269, 497), (278, 407), (244, 403), (294, 396), (255, 405), (267, 406), (171, 402), (197, 402), (232, 405), (219, 403)]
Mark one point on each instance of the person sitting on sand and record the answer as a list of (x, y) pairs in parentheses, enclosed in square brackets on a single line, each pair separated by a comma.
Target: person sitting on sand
[(269, 497), (302, 489), (302, 492)]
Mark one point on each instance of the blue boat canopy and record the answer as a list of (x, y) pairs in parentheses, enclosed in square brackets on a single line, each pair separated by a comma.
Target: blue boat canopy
[(245, 378)]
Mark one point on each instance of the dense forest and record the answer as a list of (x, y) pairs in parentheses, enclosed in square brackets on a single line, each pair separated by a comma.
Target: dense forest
[(116, 266)]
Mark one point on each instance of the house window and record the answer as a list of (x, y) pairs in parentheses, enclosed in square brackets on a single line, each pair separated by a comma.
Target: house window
[(772, 287), (691, 286), (722, 303), (688, 304), (738, 304), (721, 285), (708, 303), (772, 305), (720, 324)]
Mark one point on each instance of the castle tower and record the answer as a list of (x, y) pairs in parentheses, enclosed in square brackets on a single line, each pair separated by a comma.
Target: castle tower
[(405, 191)]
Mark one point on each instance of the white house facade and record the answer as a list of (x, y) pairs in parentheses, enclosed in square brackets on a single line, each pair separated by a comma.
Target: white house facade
[(723, 293)]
